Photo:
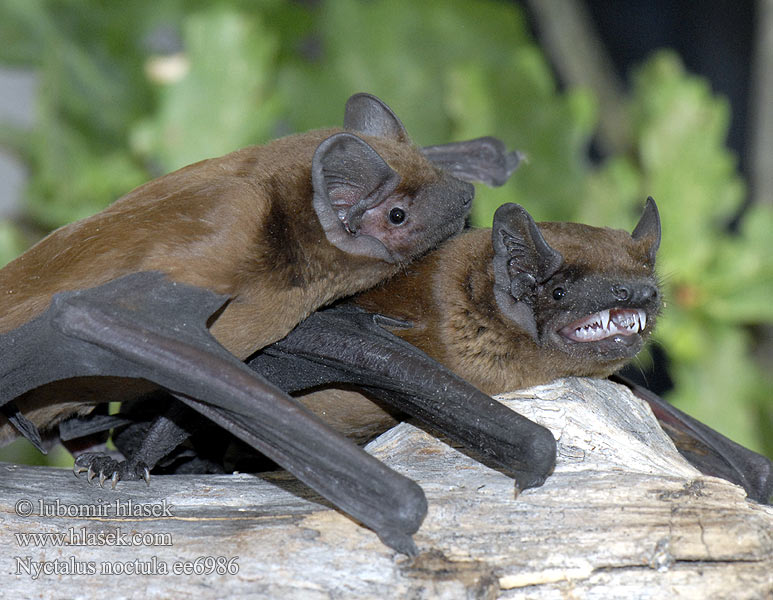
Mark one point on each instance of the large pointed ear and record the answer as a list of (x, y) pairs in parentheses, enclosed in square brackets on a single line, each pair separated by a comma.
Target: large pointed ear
[(349, 177), (648, 227), (484, 160), (368, 115), (522, 259)]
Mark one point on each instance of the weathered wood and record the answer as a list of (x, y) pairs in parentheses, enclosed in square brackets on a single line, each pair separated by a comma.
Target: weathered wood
[(623, 516)]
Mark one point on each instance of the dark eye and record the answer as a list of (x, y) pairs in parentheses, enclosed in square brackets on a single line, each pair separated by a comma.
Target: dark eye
[(396, 216), (558, 293)]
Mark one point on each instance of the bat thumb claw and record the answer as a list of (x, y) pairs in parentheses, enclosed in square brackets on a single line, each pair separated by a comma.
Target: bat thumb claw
[(397, 540)]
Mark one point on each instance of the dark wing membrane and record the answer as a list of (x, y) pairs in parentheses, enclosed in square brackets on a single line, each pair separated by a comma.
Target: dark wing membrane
[(707, 450), (146, 326), (345, 344)]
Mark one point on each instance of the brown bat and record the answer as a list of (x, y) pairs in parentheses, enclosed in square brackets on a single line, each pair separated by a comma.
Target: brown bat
[(180, 279), (518, 305), (541, 302)]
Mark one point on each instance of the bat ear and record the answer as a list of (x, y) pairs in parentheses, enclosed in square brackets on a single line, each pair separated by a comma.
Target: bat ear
[(349, 178), (648, 227), (483, 160), (368, 115), (522, 259)]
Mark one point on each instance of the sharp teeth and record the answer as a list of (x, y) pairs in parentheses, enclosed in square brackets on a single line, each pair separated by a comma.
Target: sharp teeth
[(642, 319), (607, 323)]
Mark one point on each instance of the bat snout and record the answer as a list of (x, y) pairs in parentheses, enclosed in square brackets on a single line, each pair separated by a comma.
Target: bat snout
[(635, 293)]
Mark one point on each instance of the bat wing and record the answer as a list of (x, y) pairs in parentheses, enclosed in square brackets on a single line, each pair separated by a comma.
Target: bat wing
[(146, 326), (708, 450), (483, 160), (345, 344)]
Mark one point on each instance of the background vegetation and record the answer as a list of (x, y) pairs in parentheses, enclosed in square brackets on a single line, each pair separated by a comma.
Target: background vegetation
[(129, 91)]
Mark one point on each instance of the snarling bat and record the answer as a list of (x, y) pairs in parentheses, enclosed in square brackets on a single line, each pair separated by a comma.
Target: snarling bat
[(462, 305), (503, 315), (541, 302), (178, 281)]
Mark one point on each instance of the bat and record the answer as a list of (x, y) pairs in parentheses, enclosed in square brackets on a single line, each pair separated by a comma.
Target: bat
[(517, 305), (497, 344), (177, 282), (445, 305)]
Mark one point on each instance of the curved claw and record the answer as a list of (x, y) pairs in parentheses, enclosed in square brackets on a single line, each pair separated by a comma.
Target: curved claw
[(110, 469)]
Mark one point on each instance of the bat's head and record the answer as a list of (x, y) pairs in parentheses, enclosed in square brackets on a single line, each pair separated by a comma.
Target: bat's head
[(376, 195), (587, 296)]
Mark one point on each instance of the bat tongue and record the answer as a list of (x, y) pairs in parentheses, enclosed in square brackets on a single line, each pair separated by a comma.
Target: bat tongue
[(605, 324)]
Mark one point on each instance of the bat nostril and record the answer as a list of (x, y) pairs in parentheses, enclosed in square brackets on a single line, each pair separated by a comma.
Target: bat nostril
[(649, 292), (621, 292)]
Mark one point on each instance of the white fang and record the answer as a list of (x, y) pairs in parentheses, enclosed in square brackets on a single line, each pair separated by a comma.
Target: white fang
[(606, 323)]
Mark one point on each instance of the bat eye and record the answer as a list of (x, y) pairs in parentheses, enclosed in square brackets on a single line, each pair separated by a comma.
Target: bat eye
[(558, 293), (396, 216)]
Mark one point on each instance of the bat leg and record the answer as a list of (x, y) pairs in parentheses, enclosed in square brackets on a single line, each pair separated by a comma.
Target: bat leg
[(144, 446), (708, 450), (345, 344), (145, 326)]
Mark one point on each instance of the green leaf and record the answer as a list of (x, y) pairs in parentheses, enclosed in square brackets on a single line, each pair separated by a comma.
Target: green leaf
[(726, 389), (210, 110)]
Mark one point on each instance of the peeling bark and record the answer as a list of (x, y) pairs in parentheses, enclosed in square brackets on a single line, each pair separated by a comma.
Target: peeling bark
[(623, 516)]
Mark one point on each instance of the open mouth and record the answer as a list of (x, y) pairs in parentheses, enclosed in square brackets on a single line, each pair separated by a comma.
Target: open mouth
[(605, 324)]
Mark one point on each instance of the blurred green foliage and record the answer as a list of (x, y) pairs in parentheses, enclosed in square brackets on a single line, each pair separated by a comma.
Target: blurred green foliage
[(129, 91)]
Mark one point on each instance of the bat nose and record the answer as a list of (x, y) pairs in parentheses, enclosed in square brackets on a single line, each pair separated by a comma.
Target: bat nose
[(635, 293), (621, 292), (646, 293)]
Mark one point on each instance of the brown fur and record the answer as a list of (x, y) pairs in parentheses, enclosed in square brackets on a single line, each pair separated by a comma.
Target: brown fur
[(448, 296), (241, 225)]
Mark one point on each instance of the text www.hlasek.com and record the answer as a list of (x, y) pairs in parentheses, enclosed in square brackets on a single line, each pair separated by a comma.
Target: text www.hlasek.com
[(82, 537)]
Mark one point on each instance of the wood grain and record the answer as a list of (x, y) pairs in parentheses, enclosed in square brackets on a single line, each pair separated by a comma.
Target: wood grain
[(623, 516)]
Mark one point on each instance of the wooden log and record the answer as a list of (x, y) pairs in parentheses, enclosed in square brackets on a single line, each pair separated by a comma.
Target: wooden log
[(622, 516)]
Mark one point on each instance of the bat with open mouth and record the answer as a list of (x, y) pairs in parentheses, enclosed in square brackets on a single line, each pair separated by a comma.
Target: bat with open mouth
[(597, 304), (602, 306), (540, 302), (503, 308), (173, 285)]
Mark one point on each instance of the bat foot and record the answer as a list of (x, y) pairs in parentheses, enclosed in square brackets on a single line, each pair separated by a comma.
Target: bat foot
[(96, 464)]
